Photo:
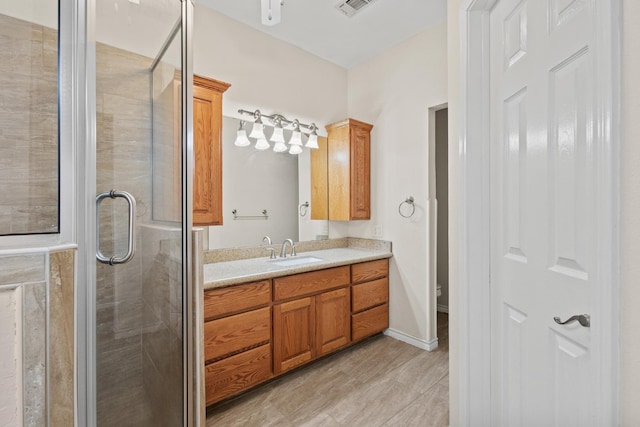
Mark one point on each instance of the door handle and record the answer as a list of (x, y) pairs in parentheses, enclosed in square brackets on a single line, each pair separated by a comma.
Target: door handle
[(584, 320), (131, 249)]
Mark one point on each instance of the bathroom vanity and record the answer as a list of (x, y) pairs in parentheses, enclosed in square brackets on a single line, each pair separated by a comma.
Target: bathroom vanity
[(265, 317)]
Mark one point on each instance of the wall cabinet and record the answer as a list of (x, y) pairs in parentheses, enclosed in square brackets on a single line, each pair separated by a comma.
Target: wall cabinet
[(319, 181), (259, 330), (349, 170), (207, 144)]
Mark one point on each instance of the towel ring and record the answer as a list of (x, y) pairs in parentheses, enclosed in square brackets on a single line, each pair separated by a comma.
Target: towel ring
[(303, 209), (409, 201)]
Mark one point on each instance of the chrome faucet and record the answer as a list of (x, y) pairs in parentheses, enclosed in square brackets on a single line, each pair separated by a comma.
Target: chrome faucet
[(269, 248), (283, 252)]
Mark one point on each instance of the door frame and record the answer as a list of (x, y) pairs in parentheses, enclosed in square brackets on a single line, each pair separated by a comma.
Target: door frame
[(474, 239)]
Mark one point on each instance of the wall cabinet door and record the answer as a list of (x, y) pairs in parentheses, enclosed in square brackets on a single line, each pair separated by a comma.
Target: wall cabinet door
[(349, 170), (333, 326), (207, 145), (293, 334)]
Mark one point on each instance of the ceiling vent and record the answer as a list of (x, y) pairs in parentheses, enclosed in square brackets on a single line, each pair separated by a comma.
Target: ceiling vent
[(351, 7)]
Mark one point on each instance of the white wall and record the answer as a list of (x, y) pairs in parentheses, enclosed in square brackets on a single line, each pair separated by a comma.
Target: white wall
[(267, 73), (630, 205), (43, 12), (394, 91)]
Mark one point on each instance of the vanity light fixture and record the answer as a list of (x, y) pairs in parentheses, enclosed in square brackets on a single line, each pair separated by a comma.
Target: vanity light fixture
[(296, 136), (279, 123), (258, 127), (278, 131), (295, 149), (262, 144), (241, 138), (312, 142)]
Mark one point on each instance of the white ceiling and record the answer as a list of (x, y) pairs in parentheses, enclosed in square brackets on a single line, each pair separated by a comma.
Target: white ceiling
[(319, 28)]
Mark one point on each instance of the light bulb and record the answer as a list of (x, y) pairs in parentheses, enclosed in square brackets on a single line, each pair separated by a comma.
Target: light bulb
[(280, 147), (278, 134), (295, 149), (241, 139), (262, 144), (313, 141)]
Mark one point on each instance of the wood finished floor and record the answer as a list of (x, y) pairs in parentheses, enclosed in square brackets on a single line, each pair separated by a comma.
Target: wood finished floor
[(380, 382)]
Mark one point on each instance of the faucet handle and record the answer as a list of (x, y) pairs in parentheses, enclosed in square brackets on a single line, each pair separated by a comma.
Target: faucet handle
[(273, 253), (293, 250)]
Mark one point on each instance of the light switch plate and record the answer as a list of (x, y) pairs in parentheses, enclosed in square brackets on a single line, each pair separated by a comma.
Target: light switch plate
[(377, 231)]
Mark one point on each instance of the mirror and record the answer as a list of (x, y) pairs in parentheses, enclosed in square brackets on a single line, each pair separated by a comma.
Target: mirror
[(254, 181)]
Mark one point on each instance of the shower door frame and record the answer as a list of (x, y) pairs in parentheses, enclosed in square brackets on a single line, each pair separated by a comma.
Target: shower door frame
[(83, 110)]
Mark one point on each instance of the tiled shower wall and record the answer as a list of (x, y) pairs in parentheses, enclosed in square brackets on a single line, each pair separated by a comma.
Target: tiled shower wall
[(37, 339), (28, 128)]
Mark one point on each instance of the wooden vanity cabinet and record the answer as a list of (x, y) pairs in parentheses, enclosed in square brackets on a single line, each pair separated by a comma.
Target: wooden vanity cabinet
[(237, 338), (349, 170), (207, 145), (293, 334), (259, 330), (333, 329), (306, 328), (369, 298)]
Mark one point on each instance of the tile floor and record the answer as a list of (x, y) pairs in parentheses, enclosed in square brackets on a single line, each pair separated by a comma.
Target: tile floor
[(379, 382)]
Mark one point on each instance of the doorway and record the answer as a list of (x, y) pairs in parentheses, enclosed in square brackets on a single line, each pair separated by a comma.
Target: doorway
[(438, 219), (537, 144)]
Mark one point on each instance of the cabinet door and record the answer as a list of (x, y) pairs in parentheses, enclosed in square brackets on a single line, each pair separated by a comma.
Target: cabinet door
[(292, 334), (333, 326), (207, 173), (360, 174)]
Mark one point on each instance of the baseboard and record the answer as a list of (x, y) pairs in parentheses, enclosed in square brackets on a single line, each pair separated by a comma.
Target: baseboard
[(443, 308), (416, 342)]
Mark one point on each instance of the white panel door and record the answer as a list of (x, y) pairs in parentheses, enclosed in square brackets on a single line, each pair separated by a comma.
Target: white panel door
[(544, 259)]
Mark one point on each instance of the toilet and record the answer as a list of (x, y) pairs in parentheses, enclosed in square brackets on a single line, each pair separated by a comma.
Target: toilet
[(438, 289)]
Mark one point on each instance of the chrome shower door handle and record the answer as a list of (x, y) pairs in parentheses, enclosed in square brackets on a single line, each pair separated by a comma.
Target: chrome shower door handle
[(584, 320), (131, 249)]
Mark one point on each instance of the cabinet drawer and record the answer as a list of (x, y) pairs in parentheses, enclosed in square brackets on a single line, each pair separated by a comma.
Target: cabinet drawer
[(237, 373), (232, 299), (234, 333), (369, 322), (369, 294), (371, 270), (310, 283)]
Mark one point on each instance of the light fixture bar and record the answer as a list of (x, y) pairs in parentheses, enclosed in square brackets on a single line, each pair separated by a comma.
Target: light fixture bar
[(275, 118)]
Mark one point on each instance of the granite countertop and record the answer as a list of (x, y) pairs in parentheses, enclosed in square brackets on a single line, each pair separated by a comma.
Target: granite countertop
[(228, 273)]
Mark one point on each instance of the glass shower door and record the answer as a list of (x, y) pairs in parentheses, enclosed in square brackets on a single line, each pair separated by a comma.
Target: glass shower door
[(141, 229)]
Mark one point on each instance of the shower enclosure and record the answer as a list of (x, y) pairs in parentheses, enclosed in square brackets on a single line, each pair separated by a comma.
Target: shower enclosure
[(96, 154), (143, 238)]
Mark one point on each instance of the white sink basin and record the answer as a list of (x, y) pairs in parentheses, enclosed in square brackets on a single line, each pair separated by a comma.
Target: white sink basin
[(293, 261)]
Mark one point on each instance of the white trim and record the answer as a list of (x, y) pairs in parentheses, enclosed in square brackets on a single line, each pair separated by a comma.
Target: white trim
[(474, 198), (443, 308), (37, 250), (474, 239), (416, 342)]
